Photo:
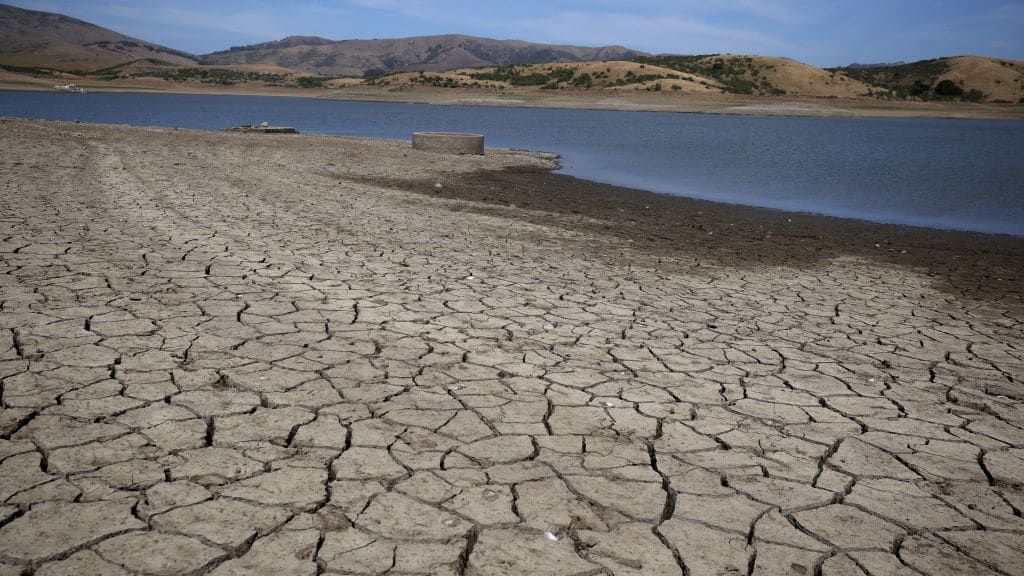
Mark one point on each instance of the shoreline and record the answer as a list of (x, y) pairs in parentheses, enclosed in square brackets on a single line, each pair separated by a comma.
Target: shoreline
[(736, 235), (752, 106), (722, 104), (596, 184), (771, 209), (784, 212)]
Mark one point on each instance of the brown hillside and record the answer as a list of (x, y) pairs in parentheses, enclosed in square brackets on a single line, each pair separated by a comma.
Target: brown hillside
[(975, 78), (36, 40), (611, 75), (998, 79), (764, 75), (42, 39), (799, 79), (428, 53), (264, 69), (147, 66)]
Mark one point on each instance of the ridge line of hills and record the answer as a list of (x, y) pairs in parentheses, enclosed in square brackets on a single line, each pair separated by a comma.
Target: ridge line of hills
[(37, 43), (30, 38), (427, 53)]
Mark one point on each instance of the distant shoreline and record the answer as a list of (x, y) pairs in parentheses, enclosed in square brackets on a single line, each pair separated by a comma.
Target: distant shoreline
[(751, 106), (705, 104)]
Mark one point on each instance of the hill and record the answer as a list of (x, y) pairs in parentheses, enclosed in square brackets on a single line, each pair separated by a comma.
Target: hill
[(957, 77), (613, 75), (40, 45), (718, 73), (739, 74), (952, 79), (227, 75), (422, 53), (33, 39)]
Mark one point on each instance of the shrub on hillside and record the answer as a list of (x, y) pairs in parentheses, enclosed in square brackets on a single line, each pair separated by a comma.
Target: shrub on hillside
[(948, 89)]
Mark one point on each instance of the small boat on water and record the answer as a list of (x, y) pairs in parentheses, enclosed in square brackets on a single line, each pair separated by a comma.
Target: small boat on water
[(69, 88)]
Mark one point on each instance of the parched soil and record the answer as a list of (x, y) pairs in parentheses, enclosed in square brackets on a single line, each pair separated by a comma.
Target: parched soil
[(241, 354)]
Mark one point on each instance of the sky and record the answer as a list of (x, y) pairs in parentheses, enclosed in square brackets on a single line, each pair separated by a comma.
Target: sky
[(819, 32)]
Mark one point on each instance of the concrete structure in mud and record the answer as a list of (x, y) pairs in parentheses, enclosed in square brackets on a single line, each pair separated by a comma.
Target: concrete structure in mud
[(448, 142), (263, 128)]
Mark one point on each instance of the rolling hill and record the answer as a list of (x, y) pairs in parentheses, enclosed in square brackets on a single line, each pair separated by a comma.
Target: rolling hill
[(964, 77), (718, 73), (612, 75), (37, 44), (739, 74), (33, 39), (426, 53)]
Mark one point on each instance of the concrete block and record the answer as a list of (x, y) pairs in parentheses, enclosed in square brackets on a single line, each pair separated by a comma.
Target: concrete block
[(448, 142)]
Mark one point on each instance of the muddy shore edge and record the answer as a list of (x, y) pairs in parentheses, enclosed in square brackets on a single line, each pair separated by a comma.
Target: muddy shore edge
[(662, 226), (725, 104)]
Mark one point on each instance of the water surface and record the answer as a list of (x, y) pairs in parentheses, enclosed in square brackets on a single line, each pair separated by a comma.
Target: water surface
[(958, 174)]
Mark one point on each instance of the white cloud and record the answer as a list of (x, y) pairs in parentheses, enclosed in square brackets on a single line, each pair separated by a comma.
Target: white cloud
[(778, 11), (652, 25), (414, 8), (652, 33), (252, 23)]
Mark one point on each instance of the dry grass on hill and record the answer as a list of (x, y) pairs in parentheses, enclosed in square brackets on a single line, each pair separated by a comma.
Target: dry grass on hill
[(799, 79), (764, 75), (616, 75), (998, 79), (723, 73)]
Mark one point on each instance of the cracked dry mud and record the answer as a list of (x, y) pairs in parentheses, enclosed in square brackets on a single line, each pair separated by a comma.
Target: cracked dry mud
[(225, 354)]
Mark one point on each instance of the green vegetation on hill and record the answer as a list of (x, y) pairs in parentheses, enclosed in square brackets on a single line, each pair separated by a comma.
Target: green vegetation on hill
[(554, 78), (736, 74), (33, 70), (633, 78), (202, 75), (205, 75), (900, 80), (516, 76), (429, 80), (167, 71), (914, 80)]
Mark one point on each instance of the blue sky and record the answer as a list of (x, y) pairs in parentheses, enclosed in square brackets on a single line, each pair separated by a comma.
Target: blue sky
[(820, 32)]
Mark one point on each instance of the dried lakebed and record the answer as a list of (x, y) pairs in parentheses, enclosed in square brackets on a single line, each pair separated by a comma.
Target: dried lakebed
[(232, 354)]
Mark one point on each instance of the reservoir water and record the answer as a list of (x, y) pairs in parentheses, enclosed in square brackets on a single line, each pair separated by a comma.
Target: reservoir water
[(957, 174)]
